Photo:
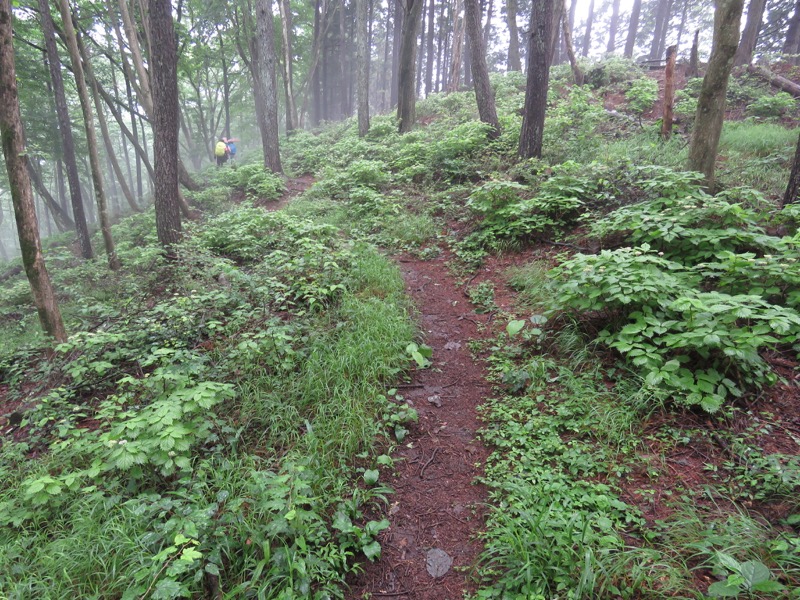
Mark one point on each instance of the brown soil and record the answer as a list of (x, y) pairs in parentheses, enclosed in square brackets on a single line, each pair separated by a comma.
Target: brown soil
[(437, 503)]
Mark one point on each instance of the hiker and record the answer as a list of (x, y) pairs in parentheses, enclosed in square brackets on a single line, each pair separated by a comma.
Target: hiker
[(232, 147), (221, 151)]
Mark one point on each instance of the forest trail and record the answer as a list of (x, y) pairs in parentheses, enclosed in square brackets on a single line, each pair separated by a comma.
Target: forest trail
[(437, 507)]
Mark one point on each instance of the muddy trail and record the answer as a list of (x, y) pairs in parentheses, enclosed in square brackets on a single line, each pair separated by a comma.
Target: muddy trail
[(430, 550)]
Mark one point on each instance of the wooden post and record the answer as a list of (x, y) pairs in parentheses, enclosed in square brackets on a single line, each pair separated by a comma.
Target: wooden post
[(669, 93)]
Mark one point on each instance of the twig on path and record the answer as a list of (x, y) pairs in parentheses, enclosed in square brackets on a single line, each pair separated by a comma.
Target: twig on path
[(410, 385), (402, 593), (430, 460)]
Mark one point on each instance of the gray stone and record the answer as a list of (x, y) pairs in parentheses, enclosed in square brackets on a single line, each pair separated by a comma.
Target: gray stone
[(438, 562)]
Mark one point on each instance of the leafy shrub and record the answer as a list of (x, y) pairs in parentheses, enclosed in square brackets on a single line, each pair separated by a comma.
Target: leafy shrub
[(256, 181), (642, 95), (771, 106), (212, 200), (613, 69)]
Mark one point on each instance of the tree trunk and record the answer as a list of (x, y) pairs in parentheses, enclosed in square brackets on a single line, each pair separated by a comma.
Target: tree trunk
[(587, 37), (530, 139), (573, 62), (65, 129), (288, 67), (612, 27), (792, 43), (514, 63), (682, 25), (711, 102), (397, 37), (421, 51), (458, 41), (406, 98), (669, 93), (775, 80), (61, 218), (480, 73), (793, 188), (662, 21), (487, 29), (429, 50), (633, 28), (164, 61), (266, 69), (21, 193), (143, 84), (362, 66), (694, 57), (71, 40), (558, 10), (226, 86), (752, 27)]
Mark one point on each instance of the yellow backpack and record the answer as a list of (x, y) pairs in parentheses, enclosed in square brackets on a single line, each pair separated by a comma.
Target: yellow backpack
[(221, 149)]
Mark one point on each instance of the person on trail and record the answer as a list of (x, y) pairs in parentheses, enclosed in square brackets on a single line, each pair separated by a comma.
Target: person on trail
[(221, 151), (232, 148)]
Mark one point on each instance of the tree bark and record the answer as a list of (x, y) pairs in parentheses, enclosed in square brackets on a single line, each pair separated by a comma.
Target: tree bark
[(65, 129), (61, 218), (164, 60), (633, 28), (71, 39), (752, 27), (422, 48), (514, 62), (662, 22), (21, 193), (669, 93), (775, 80), (288, 67), (711, 102), (694, 57), (143, 84), (429, 50), (792, 43), (406, 97), (612, 27), (530, 139), (484, 94), (793, 187), (266, 70), (397, 37), (587, 37), (458, 42), (573, 62), (362, 66)]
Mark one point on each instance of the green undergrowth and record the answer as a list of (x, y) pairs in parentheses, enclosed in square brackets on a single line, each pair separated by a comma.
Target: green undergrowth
[(212, 426), (578, 469)]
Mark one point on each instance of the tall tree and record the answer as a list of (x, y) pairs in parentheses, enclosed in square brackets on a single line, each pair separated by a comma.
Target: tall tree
[(266, 80), (514, 63), (566, 31), (633, 28), (71, 39), (362, 66), (397, 37), (531, 135), (711, 102), (458, 46), (65, 130), (752, 27), (164, 61), (791, 44), (663, 9), (288, 67), (613, 26), (16, 159), (429, 54), (587, 36), (484, 94), (406, 93), (793, 187)]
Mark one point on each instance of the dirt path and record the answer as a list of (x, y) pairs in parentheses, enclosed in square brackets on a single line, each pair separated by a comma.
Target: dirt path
[(437, 506)]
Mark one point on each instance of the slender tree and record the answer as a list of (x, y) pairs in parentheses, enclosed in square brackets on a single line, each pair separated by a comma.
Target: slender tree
[(65, 130), (752, 27), (791, 44), (633, 28), (613, 26), (514, 62), (711, 102), (429, 53), (531, 135), (662, 24), (164, 63), (793, 188), (16, 159), (288, 67), (567, 36), (694, 57), (458, 45), (362, 66), (265, 67), (480, 72), (71, 38), (406, 96), (587, 36)]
